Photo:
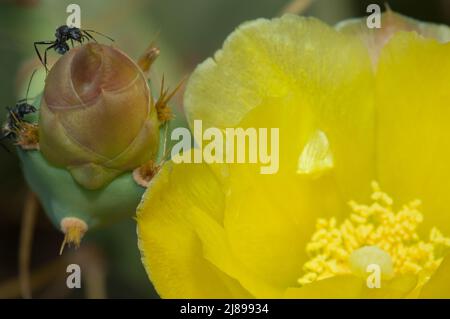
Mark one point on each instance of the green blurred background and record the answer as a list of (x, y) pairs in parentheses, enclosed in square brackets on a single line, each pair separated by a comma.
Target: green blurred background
[(189, 31)]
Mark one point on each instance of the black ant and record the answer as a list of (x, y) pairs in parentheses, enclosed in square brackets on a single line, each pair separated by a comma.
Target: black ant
[(16, 116), (63, 34)]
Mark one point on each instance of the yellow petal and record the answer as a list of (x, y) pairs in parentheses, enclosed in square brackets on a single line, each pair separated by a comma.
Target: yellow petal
[(391, 23), (171, 249), (349, 286), (303, 77), (439, 284), (338, 287), (413, 116), (217, 250), (270, 218), (398, 287), (183, 243), (311, 78)]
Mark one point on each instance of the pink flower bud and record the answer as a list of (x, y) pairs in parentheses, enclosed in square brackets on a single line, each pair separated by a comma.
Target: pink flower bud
[(96, 116)]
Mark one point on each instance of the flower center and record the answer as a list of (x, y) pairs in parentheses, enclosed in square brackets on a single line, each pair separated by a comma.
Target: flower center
[(374, 234)]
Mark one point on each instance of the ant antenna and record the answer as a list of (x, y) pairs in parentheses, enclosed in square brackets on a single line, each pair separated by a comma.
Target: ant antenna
[(104, 35), (29, 84)]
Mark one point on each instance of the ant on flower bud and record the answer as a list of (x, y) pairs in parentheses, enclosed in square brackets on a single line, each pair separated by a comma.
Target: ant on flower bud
[(64, 34)]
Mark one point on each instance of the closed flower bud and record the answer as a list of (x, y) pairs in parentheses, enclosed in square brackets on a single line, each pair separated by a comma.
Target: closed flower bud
[(96, 115)]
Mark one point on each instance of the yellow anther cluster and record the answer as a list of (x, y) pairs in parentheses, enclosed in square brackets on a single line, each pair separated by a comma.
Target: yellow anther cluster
[(376, 225)]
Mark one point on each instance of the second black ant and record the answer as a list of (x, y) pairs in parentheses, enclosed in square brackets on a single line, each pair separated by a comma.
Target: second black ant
[(16, 115)]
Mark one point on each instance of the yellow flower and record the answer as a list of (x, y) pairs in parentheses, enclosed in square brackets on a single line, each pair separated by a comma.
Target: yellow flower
[(347, 116)]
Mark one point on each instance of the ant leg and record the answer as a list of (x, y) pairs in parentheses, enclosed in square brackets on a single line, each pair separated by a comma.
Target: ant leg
[(45, 55), (104, 35), (5, 148), (16, 119), (86, 38), (3, 145), (37, 50), (89, 36)]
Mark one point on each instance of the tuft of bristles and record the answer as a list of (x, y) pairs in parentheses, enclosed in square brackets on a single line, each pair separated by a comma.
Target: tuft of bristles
[(144, 174), (74, 230), (162, 108), (28, 136)]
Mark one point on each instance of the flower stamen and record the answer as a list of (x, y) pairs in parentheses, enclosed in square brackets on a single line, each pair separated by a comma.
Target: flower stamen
[(374, 231)]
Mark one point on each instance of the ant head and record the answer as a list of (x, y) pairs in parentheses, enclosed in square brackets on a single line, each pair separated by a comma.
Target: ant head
[(75, 34), (25, 108)]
